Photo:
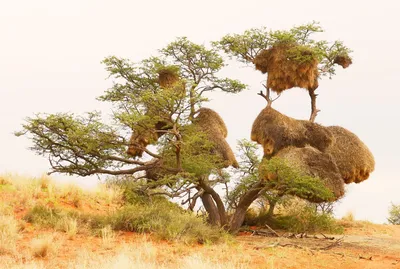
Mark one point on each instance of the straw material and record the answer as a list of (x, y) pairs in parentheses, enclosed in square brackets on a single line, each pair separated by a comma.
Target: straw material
[(353, 158), (343, 60), (275, 131), (286, 71), (211, 123)]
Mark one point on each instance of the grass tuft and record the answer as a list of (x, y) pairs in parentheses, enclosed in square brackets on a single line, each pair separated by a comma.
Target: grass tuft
[(42, 247), (69, 225), (9, 229)]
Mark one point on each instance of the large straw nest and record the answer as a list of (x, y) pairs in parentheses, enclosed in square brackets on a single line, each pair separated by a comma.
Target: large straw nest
[(343, 60), (275, 131), (211, 123), (288, 66), (353, 158), (315, 163)]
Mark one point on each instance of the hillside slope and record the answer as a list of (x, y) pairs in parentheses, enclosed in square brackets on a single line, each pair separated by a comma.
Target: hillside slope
[(27, 245)]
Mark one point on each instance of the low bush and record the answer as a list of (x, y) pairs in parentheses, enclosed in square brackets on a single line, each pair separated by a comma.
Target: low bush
[(308, 220), (301, 217), (394, 214), (166, 220), (44, 216)]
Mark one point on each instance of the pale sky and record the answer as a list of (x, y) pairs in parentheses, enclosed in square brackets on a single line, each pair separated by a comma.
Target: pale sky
[(50, 55)]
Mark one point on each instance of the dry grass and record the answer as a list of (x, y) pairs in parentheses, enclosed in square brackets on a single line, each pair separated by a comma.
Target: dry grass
[(43, 246), (108, 236), (144, 254), (9, 233), (68, 225), (349, 217), (26, 192)]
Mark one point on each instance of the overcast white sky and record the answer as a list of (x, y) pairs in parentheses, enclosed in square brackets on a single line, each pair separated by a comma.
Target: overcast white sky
[(50, 53)]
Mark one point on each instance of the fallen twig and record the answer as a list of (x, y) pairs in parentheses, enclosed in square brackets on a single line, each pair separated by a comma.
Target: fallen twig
[(365, 258), (272, 230), (334, 244), (326, 237)]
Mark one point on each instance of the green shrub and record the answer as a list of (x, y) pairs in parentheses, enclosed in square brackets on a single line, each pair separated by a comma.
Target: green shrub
[(308, 220), (43, 216), (53, 218), (166, 220), (394, 214)]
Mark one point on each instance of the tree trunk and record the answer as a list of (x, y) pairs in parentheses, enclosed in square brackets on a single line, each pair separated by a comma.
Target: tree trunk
[(314, 110), (271, 209), (244, 203), (218, 202), (211, 208)]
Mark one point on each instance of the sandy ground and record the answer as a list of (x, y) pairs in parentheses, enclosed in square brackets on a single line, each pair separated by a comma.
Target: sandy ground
[(363, 245)]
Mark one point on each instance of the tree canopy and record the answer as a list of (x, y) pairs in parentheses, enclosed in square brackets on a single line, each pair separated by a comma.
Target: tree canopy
[(157, 137)]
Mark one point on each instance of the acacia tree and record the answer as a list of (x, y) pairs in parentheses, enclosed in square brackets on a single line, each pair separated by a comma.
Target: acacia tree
[(183, 157), (84, 145)]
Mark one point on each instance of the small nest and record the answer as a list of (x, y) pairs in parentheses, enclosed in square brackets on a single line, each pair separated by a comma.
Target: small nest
[(288, 66), (275, 131), (353, 158), (167, 78), (315, 163), (211, 123), (140, 139), (343, 60)]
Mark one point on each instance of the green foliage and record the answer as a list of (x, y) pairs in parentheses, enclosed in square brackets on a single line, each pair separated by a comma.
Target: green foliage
[(247, 174), (394, 214), (291, 181), (245, 47), (86, 146), (196, 153), (74, 145), (44, 216), (288, 181), (68, 221)]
